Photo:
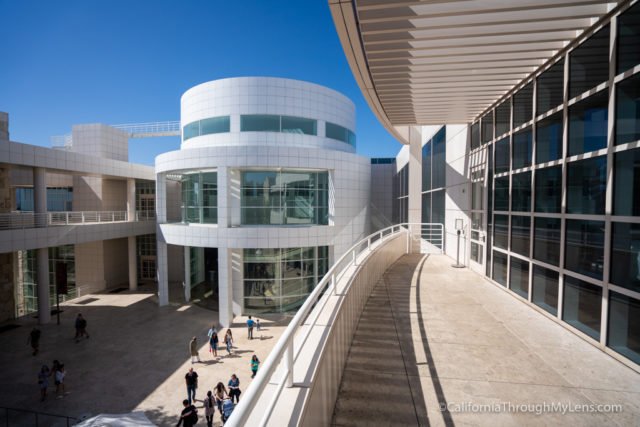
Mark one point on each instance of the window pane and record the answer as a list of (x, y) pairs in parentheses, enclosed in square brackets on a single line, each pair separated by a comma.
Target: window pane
[(520, 230), (581, 306), (522, 149), (549, 189), (589, 63), (626, 195), (588, 124), (550, 88), (475, 135), (546, 240), (500, 268), (501, 231), (437, 207), (629, 38), (549, 139), (476, 195), (519, 277), (502, 155), (545, 289), (585, 247), (521, 192), (340, 133), (586, 186), (487, 128), (259, 123), (624, 326), (426, 167), (426, 208), (299, 125), (625, 255), (628, 110), (191, 130), (523, 105), (214, 125), (439, 163), (502, 194), (503, 118)]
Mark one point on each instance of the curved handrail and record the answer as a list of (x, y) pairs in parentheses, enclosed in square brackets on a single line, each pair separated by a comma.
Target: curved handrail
[(284, 346)]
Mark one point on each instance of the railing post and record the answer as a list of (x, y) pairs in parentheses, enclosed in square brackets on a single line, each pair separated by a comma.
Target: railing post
[(83, 217), (66, 218), (288, 363), (408, 236), (113, 216)]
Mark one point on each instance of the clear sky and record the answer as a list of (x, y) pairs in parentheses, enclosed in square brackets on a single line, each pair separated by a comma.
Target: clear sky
[(129, 61)]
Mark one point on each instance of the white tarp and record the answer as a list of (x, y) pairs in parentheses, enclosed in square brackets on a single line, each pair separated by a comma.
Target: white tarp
[(133, 419)]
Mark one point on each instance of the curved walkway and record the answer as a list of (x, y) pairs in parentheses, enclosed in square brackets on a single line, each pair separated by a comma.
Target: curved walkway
[(478, 353)]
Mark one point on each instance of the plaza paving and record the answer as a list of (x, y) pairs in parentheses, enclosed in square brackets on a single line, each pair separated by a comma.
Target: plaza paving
[(432, 335), (135, 359)]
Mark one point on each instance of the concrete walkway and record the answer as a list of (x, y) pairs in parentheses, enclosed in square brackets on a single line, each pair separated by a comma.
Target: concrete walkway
[(136, 358), (472, 344)]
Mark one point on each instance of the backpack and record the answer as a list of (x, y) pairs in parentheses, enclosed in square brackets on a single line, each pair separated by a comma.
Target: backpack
[(194, 414)]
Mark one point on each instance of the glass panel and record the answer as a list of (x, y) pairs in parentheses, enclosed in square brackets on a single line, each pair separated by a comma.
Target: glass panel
[(487, 127), (581, 306), (629, 38), (439, 164), (628, 110), (500, 268), (259, 123), (475, 135), (299, 125), (522, 149), (426, 167), (502, 155), (625, 255), (545, 289), (503, 119), (586, 186), (589, 63), (191, 130), (340, 133), (519, 277), (549, 86), (501, 231), (585, 247), (476, 221), (437, 208), (549, 139), (476, 253), (521, 192), (476, 195), (426, 208), (624, 326), (549, 189), (523, 105), (546, 240), (588, 124), (520, 231), (214, 125), (626, 194)]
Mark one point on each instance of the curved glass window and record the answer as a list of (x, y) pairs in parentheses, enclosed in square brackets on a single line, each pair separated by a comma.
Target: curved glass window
[(260, 123), (200, 197), (284, 197), (206, 127), (279, 280), (299, 125), (340, 133)]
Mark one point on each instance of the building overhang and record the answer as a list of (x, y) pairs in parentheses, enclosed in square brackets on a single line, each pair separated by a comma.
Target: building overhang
[(447, 61)]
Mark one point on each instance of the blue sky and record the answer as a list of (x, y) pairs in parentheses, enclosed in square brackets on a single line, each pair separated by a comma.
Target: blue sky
[(116, 61)]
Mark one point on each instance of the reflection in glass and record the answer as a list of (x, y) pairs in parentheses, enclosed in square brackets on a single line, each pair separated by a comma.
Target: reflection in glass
[(628, 110), (519, 277), (259, 123), (475, 135), (426, 167), (522, 149), (487, 128), (500, 268), (624, 326), (588, 124), (299, 125), (585, 247), (629, 38), (581, 307), (520, 231), (589, 63), (626, 181), (503, 119), (340, 133), (545, 289), (521, 192), (546, 240), (501, 231), (523, 105), (549, 189), (549, 139), (502, 155), (439, 163), (200, 197), (586, 186), (501, 194), (549, 87), (625, 255)]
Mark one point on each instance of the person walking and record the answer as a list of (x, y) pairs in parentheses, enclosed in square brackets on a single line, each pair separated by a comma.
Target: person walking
[(191, 379), (220, 394), (254, 365), (213, 344), (227, 409), (250, 324), (189, 415), (43, 381), (209, 408), (228, 340), (59, 376), (258, 325), (81, 327), (234, 388), (34, 340), (193, 349)]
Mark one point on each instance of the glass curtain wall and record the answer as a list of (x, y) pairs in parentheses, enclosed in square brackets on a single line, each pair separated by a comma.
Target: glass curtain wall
[(552, 219), (200, 197), (433, 178), (279, 280)]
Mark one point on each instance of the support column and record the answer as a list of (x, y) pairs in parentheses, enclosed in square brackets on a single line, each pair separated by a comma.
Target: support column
[(131, 199), (223, 197), (40, 195), (415, 186), (163, 274), (133, 263), (187, 274), (44, 306), (225, 288)]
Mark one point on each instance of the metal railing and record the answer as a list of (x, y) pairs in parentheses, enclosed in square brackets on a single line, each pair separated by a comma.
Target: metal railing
[(153, 129), (21, 220), (22, 417), (284, 348)]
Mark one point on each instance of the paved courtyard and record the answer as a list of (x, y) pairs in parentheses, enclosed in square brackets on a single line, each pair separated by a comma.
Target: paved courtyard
[(135, 359), (435, 342)]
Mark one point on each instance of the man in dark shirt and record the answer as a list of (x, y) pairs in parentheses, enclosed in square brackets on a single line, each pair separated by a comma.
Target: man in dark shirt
[(191, 380), (189, 415)]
